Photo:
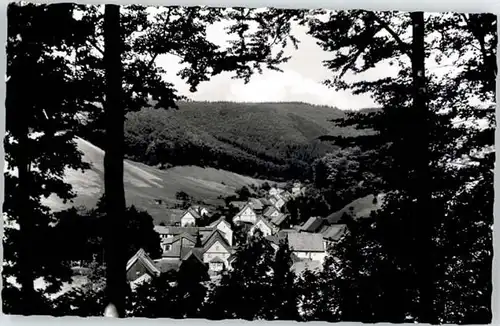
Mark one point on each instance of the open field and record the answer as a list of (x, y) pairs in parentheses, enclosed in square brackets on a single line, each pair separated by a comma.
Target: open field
[(147, 187)]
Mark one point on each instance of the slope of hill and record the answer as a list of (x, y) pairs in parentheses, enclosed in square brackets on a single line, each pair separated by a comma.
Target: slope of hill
[(359, 208), (258, 139), (147, 187)]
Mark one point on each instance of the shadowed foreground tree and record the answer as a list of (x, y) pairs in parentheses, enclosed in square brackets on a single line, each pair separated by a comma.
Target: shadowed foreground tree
[(245, 291), (260, 285), (284, 301), (175, 294), (191, 289), (80, 234), (420, 138), (114, 191), (40, 123)]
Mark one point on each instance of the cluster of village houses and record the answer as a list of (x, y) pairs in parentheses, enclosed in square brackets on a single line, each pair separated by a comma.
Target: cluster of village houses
[(214, 246)]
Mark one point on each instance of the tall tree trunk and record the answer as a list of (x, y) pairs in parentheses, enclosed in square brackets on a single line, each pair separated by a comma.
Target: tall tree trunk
[(114, 193), (423, 219), (17, 107)]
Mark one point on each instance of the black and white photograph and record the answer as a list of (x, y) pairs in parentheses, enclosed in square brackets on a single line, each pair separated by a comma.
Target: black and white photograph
[(225, 163)]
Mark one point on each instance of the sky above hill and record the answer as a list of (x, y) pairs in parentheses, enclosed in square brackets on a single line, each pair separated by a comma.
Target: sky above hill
[(301, 79)]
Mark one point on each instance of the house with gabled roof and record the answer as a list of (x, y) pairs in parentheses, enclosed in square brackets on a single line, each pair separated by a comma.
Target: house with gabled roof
[(265, 202), (280, 220), (313, 224), (245, 215), (173, 247), (205, 243), (190, 217), (216, 246), (277, 201), (307, 245), (141, 264), (263, 225), (166, 265), (195, 254), (271, 212), (238, 204), (333, 233), (224, 226), (166, 232), (256, 205)]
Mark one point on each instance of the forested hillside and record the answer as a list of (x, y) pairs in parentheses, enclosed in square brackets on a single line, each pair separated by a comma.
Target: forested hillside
[(277, 140)]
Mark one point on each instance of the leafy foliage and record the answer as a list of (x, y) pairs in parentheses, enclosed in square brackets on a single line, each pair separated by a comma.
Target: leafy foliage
[(312, 203), (247, 291), (420, 167), (39, 142)]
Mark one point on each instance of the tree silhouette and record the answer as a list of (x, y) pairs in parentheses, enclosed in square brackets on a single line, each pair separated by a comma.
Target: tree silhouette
[(245, 291), (41, 116), (418, 142)]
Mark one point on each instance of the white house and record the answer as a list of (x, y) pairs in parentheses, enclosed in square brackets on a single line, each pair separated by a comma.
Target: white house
[(222, 225), (264, 226), (245, 215), (189, 217), (216, 251), (307, 245)]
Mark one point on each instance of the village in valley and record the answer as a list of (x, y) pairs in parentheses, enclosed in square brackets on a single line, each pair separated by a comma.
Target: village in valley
[(207, 238)]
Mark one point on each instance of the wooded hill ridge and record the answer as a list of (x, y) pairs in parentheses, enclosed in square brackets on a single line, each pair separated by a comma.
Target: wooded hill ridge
[(277, 140)]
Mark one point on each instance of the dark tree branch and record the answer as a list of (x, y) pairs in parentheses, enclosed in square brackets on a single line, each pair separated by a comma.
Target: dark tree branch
[(95, 46), (360, 51), (405, 48), (479, 36), (157, 53)]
